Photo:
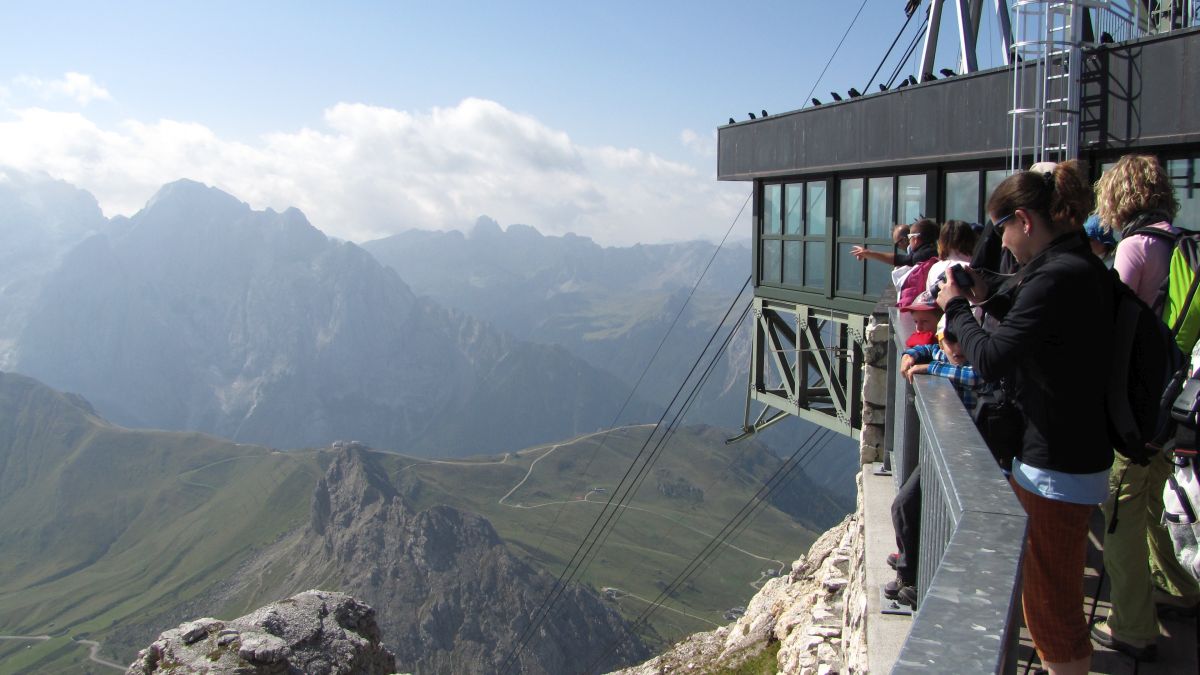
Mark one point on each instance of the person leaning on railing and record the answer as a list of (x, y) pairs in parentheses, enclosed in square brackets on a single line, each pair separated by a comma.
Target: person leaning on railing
[(1136, 195), (1054, 343), (922, 245)]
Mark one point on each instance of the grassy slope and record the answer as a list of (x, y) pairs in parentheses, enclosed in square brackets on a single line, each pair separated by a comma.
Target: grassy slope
[(113, 535)]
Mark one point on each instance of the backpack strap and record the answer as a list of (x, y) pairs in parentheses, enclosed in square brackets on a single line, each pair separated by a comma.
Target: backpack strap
[(1153, 233), (1187, 303)]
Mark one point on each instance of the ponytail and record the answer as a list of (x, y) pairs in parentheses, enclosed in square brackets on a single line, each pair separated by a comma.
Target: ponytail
[(1061, 195)]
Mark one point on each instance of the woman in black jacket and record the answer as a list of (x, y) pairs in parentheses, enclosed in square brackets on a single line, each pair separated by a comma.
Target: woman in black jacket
[(1053, 344)]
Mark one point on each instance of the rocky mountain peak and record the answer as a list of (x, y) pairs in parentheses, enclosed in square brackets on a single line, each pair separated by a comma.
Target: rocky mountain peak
[(354, 489), (314, 632), (450, 593)]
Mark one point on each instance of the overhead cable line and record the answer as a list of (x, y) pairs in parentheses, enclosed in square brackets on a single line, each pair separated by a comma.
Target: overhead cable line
[(646, 368), (835, 50), (667, 435), (578, 558), (908, 53), (738, 522), (889, 52)]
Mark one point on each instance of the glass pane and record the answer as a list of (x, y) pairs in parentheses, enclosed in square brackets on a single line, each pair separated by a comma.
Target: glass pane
[(814, 264), (793, 208), (962, 196), (850, 271), (816, 208), (1184, 178), (879, 275), (850, 220), (879, 215), (991, 180), (771, 209), (770, 261), (791, 263), (912, 198)]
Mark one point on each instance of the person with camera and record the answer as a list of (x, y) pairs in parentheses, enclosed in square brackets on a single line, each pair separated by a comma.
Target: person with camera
[(1053, 341)]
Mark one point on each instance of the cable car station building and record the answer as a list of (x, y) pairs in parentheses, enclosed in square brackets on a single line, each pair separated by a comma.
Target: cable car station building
[(1088, 79)]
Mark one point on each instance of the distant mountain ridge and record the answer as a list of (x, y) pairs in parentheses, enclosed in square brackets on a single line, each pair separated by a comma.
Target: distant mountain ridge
[(118, 534), (199, 313), (610, 305), (113, 534)]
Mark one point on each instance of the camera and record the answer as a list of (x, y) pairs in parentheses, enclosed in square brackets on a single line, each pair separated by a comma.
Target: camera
[(962, 279)]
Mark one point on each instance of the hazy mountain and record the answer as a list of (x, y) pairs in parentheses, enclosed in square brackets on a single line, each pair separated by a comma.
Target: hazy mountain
[(114, 535), (200, 313), (612, 306), (40, 218)]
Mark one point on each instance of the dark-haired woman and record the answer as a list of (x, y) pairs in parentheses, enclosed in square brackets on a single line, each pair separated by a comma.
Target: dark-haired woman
[(1053, 343)]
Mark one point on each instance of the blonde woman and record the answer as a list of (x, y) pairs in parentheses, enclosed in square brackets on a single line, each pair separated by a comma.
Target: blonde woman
[(1135, 197)]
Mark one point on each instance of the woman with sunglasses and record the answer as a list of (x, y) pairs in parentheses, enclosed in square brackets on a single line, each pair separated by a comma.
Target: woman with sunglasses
[(1053, 343)]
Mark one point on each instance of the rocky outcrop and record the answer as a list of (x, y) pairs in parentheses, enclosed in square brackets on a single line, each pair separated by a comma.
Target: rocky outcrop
[(315, 632), (451, 597), (814, 618)]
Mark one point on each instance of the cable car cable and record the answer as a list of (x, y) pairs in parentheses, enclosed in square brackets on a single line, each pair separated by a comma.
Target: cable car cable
[(576, 561), (738, 521), (835, 50), (889, 52)]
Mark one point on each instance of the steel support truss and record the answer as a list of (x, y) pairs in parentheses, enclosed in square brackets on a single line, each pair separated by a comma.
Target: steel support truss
[(808, 362)]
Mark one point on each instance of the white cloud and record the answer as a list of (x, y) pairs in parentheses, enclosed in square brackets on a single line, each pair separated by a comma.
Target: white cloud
[(77, 86), (704, 146), (372, 171)]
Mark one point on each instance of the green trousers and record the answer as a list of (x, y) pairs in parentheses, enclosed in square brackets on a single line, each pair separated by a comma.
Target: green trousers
[(1138, 556)]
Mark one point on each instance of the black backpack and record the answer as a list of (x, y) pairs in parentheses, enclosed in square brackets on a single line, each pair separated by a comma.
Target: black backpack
[(1148, 371)]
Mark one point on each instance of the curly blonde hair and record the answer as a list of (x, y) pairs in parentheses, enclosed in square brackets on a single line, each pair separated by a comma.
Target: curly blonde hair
[(1136, 183)]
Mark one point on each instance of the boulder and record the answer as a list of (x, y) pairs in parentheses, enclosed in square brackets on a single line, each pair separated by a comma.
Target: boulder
[(315, 632)]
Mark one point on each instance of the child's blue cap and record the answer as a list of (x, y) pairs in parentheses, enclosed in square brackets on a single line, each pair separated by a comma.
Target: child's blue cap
[(1098, 232)]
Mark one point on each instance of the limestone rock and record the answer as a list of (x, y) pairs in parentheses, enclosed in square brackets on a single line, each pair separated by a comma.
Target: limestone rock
[(817, 614), (315, 632)]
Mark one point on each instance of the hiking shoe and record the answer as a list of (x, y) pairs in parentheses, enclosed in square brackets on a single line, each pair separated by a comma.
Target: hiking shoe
[(1145, 651), (1173, 606), (893, 588), (907, 596), (892, 559)]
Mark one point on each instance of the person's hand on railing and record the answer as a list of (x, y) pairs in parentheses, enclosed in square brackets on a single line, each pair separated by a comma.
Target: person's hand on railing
[(907, 363), (914, 370)]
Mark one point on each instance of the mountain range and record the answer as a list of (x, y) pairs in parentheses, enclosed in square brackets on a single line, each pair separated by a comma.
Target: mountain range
[(113, 535), (199, 313)]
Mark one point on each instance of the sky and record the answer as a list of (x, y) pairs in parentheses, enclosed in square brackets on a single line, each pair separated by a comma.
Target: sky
[(377, 117)]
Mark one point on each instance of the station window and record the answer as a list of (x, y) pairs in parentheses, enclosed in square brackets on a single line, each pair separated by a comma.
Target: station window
[(1185, 177), (793, 237), (966, 196), (867, 210)]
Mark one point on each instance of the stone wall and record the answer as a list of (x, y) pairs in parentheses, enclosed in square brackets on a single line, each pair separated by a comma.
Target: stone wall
[(875, 387)]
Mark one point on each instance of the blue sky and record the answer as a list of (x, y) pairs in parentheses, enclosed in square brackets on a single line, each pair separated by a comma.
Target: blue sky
[(357, 112)]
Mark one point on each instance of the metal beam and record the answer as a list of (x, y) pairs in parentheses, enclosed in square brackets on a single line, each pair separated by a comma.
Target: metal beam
[(966, 38), (929, 50), (1005, 26)]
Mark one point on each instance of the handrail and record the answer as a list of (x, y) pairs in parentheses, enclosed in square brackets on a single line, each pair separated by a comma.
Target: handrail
[(972, 531)]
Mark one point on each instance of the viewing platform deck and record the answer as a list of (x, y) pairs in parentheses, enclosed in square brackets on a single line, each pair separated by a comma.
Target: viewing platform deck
[(969, 617)]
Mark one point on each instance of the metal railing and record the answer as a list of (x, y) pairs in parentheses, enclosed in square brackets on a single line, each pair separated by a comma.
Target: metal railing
[(972, 530)]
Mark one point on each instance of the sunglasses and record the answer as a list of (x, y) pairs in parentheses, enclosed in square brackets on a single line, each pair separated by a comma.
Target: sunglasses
[(999, 224)]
